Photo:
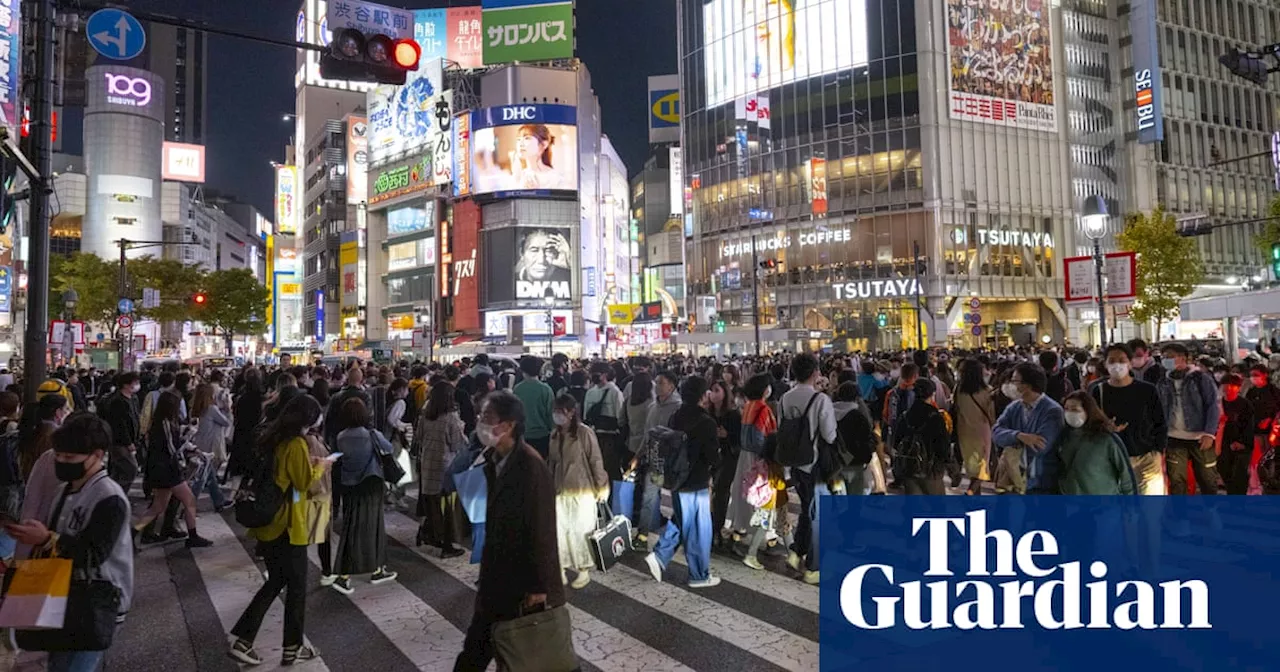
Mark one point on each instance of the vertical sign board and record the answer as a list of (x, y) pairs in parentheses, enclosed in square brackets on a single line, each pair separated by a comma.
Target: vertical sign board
[(1146, 71), (462, 154), (286, 199), (818, 185), (357, 159), (10, 66), (320, 315), (664, 108), (677, 181), (454, 34)]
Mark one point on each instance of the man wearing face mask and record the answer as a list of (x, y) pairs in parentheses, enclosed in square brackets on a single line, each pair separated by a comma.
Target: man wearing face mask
[(1190, 401), (120, 410), (1237, 436), (1135, 409), (1028, 429), (1142, 364)]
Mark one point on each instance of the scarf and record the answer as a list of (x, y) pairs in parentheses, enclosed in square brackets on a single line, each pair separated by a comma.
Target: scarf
[(759, 414)]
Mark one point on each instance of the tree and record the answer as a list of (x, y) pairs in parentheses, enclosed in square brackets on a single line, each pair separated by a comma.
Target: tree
[(1169, 265), (237, 304), (95, 280), (1271, 232), (173, 279)]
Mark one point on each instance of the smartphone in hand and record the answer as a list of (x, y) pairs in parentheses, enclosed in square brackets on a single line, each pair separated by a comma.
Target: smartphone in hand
[(333, 457)]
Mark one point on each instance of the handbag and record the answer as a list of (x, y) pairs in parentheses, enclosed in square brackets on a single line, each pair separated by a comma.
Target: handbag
[(610, 539), (473, 491), (541, 641), (37, 595)]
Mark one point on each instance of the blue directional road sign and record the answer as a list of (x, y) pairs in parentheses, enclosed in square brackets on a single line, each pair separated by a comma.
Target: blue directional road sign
[(125, 306), (114, 33)]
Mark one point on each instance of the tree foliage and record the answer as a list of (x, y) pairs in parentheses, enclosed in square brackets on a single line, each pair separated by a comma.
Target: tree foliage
[(175, 282), (1169, 265), (237, 304), (95, 280), (1271, 232)]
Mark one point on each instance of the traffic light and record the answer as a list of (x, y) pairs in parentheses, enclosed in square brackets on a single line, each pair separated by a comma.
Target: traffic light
[(882, 320), (354, 56), (769, 264), (1246, 65), (199, 299), (1275, 260), (8, 172), (719, 326)]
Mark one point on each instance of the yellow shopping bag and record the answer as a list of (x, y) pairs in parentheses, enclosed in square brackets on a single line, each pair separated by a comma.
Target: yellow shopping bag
[(37, 597)]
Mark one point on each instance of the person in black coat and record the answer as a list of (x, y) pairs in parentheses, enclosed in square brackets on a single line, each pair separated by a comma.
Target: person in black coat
[(923, 421), (354, 389), (247, 415), (520, 563), (120, 409)]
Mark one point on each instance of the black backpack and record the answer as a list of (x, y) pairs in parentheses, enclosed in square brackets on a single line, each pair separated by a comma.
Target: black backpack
[(259, 499), (596, 418), (795, 439), (911, 454), (672, 447)]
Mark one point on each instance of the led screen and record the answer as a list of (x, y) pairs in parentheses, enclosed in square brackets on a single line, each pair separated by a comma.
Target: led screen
[(524, 150)]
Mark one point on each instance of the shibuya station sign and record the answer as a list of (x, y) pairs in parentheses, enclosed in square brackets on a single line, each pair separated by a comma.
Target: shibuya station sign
[(876, 289), (782, 242), (126, 90)]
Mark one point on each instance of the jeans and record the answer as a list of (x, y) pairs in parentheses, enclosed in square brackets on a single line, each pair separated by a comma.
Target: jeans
[(693, 510), (1204, 462), (286, 570), (819, 491), (803, 543), (214, 489), (651, 507), (75, 661)]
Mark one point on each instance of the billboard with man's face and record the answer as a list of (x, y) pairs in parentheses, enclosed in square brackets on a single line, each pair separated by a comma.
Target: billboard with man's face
[(529, 264)]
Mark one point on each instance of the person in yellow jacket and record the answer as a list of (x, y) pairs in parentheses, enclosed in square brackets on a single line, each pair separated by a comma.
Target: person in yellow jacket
[(55, 386), (418, 391), (283, 542)]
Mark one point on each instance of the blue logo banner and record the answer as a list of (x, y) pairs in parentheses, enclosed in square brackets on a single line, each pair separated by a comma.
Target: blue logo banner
[(1049, 583)]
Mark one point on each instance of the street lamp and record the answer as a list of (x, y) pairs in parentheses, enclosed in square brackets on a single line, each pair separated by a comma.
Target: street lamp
[(1094, 218), (551, 324), (69, 300)]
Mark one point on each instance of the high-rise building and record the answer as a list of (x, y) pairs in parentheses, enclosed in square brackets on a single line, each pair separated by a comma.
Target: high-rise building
[(180, 57)]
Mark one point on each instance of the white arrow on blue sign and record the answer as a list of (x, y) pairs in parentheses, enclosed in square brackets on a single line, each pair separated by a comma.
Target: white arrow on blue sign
[(116, 34), (125, 306)]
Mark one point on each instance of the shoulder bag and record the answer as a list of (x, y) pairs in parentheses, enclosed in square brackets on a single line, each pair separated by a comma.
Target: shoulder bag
[(539, 641)]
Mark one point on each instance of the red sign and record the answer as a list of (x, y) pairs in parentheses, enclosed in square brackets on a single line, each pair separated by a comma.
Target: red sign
[(818, 185), (464, 269), (559, 326), (980, 107), (666, 331)]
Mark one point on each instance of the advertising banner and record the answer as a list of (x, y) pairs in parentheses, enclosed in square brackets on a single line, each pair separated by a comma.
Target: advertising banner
[(818, 185), (676, 183), (442, 141), (1055, 582), (454, 34), (357, 160), (527, 30), (402, 119), (1146, 71), (756, 46), (462, 154), (664, 108), (465, 281), (320, 326), (401, 181), (182, 163), (754, 108), (11, 66), (287, 206), (369, 18), (1120, 273), (1001, 63), (411, 219), (524, 150), (545, 265), (349, 260)]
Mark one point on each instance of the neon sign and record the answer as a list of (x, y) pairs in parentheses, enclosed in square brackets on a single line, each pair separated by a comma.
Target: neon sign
[(125, 90)]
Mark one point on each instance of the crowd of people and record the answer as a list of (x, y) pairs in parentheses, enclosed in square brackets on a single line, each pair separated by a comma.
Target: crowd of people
[(562, 444)]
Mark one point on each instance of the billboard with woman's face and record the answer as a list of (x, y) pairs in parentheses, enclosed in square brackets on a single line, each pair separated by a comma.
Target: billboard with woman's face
[(524, 150)]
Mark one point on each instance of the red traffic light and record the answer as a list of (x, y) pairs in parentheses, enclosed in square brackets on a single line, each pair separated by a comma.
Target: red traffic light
[(406, 54), (200, 299)]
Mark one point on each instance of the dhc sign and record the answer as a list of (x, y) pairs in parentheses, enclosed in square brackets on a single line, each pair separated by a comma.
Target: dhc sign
[(520, 113), (511, 115)]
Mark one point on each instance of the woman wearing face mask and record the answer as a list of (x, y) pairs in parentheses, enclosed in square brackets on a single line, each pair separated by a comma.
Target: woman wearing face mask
[(1092, 459), (975, 414), (87, 524), (577, 468), (437, 439)]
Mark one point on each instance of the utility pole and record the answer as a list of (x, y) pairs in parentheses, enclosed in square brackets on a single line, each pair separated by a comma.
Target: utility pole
[(35, 348), (755, 292), (915, 251)]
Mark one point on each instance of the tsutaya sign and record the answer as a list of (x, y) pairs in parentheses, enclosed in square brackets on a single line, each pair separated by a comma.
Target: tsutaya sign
[(781, 242), (876, 289), (1015, 238), (126, 90)]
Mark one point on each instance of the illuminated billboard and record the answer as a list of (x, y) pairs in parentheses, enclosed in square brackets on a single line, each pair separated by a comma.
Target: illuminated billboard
[(287, 206), (357, 160), (1001, 63), (756, 45), (183, 163), (402, 119), (664, 108), (454, 34), (526, 30), (529, 264), (523, 150)]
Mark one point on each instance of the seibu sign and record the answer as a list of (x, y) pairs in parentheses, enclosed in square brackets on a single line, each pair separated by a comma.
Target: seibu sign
[(876, 289), (782, 242), (126, 90)]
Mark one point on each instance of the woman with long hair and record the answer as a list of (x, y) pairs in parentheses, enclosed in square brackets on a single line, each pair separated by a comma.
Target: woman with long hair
[(362, 542), (320, 390), (753, 504), (724, 410), (164, 470), (577, 469), (283, 542), (975, 414), (210, 438), (1092, 458), (437, 438)]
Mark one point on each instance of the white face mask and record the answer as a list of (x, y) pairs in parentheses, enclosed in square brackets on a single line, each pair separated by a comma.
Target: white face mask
[(1010, 390), (1075, 418), (560, 419), (1139, 361), (486, 434), (1118, 369)]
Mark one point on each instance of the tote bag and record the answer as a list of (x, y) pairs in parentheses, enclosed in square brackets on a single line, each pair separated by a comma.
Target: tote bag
[(473, 493)]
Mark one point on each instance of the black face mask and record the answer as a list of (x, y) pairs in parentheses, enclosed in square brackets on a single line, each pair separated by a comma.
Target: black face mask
[(69, 472)]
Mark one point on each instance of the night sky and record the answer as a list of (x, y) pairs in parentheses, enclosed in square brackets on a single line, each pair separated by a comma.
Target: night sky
[(251, 85)]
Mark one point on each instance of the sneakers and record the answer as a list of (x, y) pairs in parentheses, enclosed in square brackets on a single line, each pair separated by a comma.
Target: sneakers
[(343, 585), (655, 567), (382, 576), (327, 580), (297, 654), (583, 578), (811, 578), (710, 581), (793, 561), (174, 534), (197, 541), (451, 552), (149, 538), (752, 563), (564, 578), (242, 651)]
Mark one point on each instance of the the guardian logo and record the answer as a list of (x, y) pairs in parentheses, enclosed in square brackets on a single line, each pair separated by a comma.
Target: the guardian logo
[(1039, 590), (520, 113)]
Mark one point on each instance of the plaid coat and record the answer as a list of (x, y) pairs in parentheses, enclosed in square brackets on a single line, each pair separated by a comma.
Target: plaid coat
[(436, 442)]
